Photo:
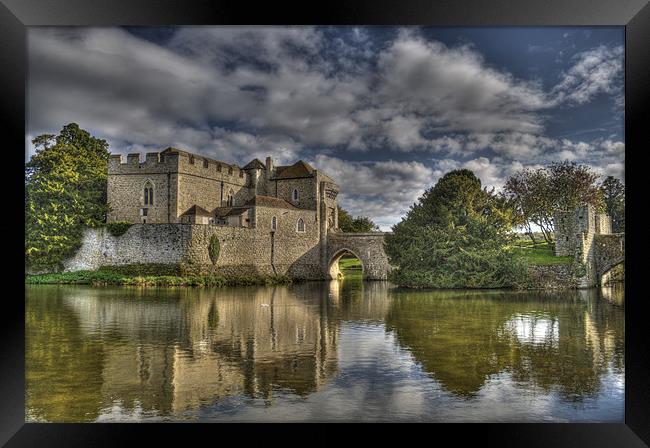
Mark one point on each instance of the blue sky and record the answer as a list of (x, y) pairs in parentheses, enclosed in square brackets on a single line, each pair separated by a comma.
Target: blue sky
[(386, 111)]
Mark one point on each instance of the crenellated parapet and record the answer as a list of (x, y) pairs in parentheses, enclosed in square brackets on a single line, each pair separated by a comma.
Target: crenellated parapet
[(132, 163)]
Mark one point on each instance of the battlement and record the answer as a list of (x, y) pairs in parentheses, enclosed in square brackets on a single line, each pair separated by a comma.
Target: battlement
[(154, 162)]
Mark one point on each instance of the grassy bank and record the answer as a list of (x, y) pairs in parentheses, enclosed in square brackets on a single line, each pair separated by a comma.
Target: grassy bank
[(541, 254), (351, 268), (115, 278)]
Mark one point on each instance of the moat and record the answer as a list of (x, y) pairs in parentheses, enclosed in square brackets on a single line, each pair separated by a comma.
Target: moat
[(323, 351)]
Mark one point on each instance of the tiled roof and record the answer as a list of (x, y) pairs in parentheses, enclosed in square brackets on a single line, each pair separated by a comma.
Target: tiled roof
[(223, 212), (269, 201), (254, 164), (196, 210), (297, 170)]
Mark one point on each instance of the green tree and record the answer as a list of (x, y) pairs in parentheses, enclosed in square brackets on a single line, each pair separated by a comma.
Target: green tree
[(537, 195), (613, 194), (359, 224), (65, 189), (456, 236)]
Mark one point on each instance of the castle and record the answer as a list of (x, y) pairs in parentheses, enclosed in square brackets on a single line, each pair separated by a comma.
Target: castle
[(267, 219), (175, 186)]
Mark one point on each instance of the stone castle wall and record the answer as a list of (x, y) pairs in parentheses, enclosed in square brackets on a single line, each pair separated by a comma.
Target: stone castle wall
[(243, 250), (178, 185)]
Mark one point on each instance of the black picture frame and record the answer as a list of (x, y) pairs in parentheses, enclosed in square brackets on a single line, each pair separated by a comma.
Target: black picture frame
[(16, 15)]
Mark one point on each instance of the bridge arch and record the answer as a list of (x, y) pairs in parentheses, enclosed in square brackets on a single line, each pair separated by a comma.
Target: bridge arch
[(333, 270), (367, 247)]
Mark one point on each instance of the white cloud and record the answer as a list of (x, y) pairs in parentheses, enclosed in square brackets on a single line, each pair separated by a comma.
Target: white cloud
[(595, 71)]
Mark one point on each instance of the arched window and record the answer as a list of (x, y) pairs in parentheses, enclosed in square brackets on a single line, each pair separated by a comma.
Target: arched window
[(274, 223), (191, 159), (148, 194), (229, 170), (219, 167), (295, 194), (300, 227), (229, 198), (205, 163)]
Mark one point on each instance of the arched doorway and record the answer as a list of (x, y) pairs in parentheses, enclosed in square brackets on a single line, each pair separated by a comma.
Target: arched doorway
[(345, 264)]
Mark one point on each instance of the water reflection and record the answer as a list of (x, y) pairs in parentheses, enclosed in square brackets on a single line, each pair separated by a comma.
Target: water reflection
[(344, 349)]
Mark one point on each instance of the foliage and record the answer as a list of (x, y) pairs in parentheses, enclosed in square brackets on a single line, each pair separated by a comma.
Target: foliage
[(118, 228), (104, 277), (456, 236), (214, 248), (538, 194), (613, 194), (359, 224), (65, 189)]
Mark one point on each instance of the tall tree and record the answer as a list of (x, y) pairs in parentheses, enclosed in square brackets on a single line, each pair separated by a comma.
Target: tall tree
[(537, 195), (613, 193), (359, 224), (456, 236), (65, 189)]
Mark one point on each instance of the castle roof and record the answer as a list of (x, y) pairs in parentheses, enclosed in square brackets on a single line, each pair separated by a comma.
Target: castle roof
[(297, 170), (269, 201), (196, 210), (255, 164), (230, 211)]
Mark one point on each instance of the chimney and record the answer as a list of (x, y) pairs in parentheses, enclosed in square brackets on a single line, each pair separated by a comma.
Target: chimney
[(269, 165)]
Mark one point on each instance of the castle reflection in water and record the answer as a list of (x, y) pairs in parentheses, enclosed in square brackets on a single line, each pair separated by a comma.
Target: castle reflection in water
[(132, 352)]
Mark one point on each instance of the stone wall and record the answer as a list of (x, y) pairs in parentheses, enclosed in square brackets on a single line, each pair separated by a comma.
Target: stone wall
[(553, 277), (243, 250), (141, 243), (609, 251)]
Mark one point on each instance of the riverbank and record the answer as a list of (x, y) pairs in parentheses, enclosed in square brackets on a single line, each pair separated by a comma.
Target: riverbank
[(116, 278)]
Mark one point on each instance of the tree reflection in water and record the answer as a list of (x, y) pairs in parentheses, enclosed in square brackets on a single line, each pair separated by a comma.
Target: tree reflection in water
[(133, 353)]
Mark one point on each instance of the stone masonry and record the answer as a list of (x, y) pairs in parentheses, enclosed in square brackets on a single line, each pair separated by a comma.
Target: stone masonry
[(268, 219), (587, 236)]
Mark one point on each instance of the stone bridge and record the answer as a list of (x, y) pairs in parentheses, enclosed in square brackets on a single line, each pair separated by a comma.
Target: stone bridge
[(367, 247), (609, 251)]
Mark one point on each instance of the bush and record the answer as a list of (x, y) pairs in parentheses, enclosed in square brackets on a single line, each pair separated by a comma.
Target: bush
[(213, 249), (118, 228)]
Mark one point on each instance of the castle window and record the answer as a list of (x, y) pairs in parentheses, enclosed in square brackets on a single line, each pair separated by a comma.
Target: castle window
[(241, 173), (229, 198), (148, 194), (205, 163), (191, 160), (218, 167), (300, 227), (229, 170), (274, 223), (295, 194)]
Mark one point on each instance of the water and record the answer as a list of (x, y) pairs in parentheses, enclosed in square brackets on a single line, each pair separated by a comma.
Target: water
[(340, 351)]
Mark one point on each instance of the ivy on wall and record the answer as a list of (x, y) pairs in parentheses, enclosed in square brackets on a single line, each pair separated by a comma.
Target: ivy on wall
[(214, 247), (118, 228)]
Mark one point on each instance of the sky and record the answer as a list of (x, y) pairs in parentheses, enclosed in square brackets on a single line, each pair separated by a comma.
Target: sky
[(385, 111)]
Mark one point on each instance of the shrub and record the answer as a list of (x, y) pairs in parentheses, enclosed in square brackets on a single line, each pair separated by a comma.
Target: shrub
[(118, 228), (213, 249)]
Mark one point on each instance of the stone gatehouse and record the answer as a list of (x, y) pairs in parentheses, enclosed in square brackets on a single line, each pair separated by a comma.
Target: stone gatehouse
[(268, 219)]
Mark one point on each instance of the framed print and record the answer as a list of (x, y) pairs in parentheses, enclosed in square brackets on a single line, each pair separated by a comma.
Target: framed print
[(414, 213)]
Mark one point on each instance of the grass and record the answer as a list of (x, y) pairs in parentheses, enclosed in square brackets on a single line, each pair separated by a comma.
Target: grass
[(115, 278), (351, 268), (541, 253)]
